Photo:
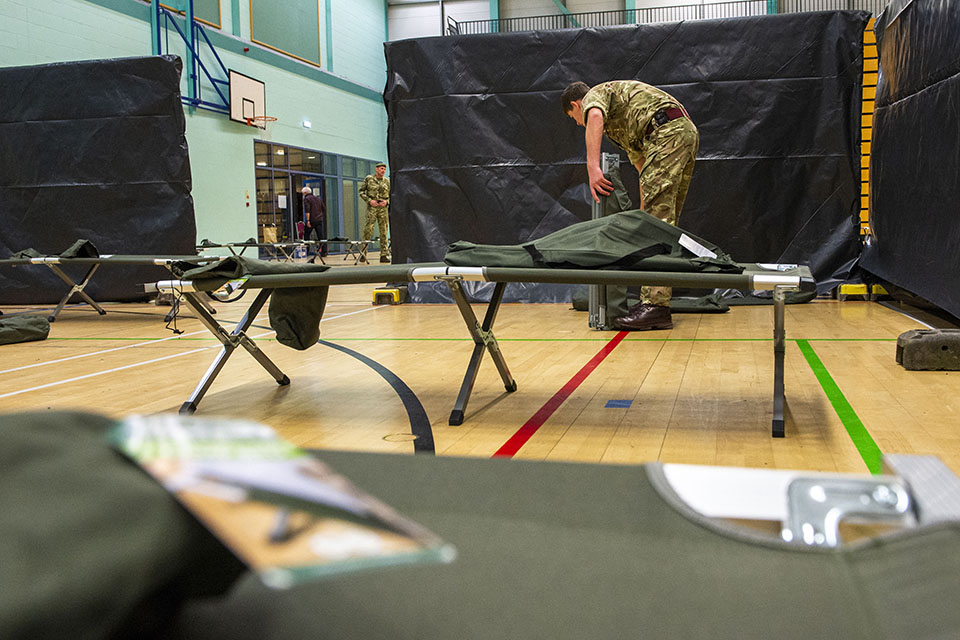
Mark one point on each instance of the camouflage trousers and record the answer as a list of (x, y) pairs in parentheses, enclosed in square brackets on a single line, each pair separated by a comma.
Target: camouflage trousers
[(377, 216), (671, 150)]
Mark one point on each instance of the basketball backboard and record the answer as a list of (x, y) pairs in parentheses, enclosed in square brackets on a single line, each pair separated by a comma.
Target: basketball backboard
[(247, 100)]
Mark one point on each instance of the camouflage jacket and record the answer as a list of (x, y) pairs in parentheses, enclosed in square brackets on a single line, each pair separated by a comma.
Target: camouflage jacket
[(628, 107), (374, 188)]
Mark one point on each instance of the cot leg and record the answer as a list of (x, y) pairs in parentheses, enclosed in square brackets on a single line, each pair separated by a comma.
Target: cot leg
[(484, 340), (175, 308), (74, 289), (175, 305), (206, 305), (319, 252), (779, 349), (287, 253), (230, 340)]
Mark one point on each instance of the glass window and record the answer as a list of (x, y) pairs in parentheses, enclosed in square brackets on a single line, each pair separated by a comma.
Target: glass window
[(349, 167), (312, 162), (330, 164), (265, 208), (279, 156), (261, 153), (291, 26), (281, 196), (350, 225), (295, 159), (332, 198)]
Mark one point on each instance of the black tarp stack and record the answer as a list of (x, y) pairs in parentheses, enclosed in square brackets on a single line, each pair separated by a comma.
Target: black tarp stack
[(93, 150), (915, 159), (481, 151)]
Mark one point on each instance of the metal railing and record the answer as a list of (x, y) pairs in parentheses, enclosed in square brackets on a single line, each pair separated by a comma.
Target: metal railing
[(736, 9)]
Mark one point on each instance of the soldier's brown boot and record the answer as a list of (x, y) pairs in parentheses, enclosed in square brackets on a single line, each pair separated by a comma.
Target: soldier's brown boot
[(644, 317)]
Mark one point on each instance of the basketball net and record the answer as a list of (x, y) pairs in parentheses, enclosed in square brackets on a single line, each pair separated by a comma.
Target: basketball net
[(261, 122)]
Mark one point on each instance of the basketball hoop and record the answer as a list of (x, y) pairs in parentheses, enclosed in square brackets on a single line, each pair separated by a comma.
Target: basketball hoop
[(260, 121)]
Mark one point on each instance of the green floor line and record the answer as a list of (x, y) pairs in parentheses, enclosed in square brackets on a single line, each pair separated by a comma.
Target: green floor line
[(862, 440)]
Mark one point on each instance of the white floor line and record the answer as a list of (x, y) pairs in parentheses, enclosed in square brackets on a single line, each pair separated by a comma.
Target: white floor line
[(97, 353), (100, 373), (143, 344), (901, 311), (137, 364), (126, 366)]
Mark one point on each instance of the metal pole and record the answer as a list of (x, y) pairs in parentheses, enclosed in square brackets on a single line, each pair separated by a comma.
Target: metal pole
[(190, 31), (155, 28)]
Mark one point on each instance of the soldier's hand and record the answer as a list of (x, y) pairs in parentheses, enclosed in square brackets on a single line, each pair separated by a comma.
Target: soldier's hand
[(599, 185)]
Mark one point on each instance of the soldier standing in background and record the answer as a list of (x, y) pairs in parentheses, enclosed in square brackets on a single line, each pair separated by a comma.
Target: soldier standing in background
[(661, 142), (375, 191)]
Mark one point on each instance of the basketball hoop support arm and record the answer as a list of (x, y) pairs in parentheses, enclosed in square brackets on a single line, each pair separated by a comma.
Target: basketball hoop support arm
[(193, 34)]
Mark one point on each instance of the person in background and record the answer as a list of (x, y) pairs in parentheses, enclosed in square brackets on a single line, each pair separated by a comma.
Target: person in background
[(375, 191), (315, 218), (661, 142)]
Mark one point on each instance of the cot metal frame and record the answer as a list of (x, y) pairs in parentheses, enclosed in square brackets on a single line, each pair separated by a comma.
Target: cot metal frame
[(284, 251), (77, 287), (779, 279)]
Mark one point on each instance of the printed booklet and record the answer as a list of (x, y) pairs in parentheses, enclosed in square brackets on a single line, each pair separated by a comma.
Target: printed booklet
[(282, 511)]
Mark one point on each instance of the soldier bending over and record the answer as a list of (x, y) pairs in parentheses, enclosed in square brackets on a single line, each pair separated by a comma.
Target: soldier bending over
[(661, 142)]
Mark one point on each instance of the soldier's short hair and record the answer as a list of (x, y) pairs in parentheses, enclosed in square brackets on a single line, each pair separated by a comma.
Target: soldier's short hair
[(574, 91), (382, 164)]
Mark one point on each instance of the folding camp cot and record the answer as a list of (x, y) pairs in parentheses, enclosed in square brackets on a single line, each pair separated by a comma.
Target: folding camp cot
[(356, 249), (54, 263), (778, 278)]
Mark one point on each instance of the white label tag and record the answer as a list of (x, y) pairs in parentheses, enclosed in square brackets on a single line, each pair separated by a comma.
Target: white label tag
[(777, 267), (233, 285), (695, 247)]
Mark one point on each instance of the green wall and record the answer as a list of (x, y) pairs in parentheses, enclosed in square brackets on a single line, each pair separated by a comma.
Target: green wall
[(346, 111)]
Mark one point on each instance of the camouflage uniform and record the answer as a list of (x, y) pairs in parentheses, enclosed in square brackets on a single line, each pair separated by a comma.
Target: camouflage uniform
[(374, 188), (665, 157)]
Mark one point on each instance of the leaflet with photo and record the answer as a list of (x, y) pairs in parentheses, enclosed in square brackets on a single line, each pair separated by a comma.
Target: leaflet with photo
[(286, 514)]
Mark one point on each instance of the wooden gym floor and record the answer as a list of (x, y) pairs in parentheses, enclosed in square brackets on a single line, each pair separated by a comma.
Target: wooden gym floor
[(700, 393)]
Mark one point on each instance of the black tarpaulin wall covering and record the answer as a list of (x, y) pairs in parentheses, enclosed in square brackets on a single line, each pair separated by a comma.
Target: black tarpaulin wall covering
[(915, 154), (480, 149), (93, 150)]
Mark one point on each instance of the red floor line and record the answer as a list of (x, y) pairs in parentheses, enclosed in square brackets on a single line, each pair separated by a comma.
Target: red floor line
[(530, 427)]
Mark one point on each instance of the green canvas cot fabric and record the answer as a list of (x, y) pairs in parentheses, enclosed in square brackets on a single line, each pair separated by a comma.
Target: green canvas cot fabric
[(14, 329), (295, 312), (628, 240), (574, 551), (79, 249), (618, 201), (90, 545), (766, 297), (712, 303)]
